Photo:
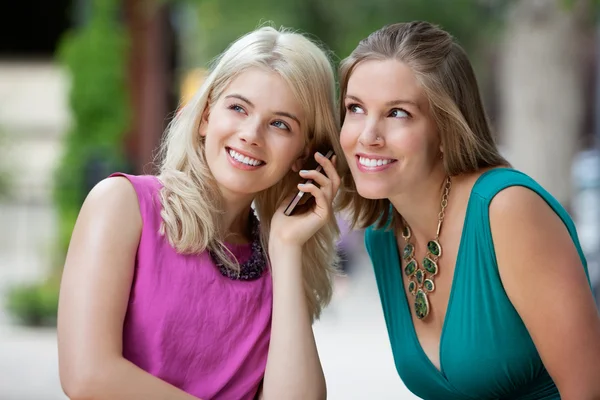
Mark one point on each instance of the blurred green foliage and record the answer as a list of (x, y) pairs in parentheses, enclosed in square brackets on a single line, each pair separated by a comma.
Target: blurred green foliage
[(593, 4), (341, 24), (95, 56), (34, 304)]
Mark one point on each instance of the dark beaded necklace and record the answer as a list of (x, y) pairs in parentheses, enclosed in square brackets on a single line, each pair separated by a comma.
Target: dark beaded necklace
[(254, 267)]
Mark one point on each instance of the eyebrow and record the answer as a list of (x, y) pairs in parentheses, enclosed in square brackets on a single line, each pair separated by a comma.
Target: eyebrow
[(286, 114), (389, 103), (240, 97), (280, 113)]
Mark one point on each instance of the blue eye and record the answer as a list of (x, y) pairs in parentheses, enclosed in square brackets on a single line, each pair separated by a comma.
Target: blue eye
[(280, 125), (354, 109), (399, 113), (237, 108)]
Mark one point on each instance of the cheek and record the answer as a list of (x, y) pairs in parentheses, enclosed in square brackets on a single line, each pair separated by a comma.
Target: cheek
[(221, 123), (410, 143), (349, 136), (412, 140), (430, 141), (288, 151)]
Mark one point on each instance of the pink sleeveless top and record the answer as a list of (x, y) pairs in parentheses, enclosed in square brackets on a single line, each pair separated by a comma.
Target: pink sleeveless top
[(186, 323)]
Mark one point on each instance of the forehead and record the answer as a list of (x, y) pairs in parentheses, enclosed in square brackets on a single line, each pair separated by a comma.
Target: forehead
[(266, 90), (383, 81)]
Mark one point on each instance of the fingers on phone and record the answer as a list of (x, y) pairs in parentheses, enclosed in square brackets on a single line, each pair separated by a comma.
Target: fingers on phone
[(316, 192), (316, 176), (329, 170)]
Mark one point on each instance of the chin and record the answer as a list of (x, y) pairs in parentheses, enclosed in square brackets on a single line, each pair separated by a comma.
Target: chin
[(242, 187), (372, 193), (234, 184)]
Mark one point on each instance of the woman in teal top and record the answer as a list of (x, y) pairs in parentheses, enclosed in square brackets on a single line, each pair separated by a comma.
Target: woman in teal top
[(481, 276)]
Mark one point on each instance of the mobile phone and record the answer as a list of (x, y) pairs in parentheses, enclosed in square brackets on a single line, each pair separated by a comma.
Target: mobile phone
[(302, 200)]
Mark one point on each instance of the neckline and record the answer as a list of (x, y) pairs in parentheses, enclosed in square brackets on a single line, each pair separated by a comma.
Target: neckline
[(400, 278)]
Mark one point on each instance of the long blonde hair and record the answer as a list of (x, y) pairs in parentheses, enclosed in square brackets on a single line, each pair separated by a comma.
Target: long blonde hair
[(447, 77), (191, 201)]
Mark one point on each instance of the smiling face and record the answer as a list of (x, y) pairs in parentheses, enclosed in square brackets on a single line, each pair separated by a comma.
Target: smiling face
[(388, 135), (254, 133)]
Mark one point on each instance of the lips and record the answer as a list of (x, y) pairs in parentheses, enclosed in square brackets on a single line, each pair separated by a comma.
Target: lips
[(368, 163), (374, 162), (244, 158)]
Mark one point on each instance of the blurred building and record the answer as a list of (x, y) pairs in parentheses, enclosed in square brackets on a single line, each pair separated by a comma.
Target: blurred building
[(33, 95), (34, 116)]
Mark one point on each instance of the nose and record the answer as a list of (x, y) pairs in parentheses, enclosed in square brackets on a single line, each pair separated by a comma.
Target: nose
[(371, 136), (251, 134)]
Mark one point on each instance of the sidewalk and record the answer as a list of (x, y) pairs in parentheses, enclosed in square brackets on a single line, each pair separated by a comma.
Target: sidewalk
[(28, 364), (353, 343)]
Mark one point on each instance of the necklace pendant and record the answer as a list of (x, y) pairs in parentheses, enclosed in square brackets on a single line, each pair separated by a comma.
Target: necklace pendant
[(420, 277), (429, 285), (421, 304), (430, 265), (410, 268), (433, 246), (412, 287), (408, 252)]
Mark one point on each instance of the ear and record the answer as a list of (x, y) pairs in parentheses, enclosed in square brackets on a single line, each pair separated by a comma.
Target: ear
[(204, 121), (301, 160)]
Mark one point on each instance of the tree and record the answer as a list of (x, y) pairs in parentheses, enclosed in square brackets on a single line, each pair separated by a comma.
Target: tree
[(541, 90), (340, 24)]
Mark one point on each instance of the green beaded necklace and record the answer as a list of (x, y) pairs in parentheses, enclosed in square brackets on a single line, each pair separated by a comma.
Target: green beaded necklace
[(420, 279)]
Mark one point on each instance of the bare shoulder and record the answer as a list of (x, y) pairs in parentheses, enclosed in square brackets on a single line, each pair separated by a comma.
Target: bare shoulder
[(518, 210), (543, 276), (107, 232), (516, 197), (524, 224), (114, 193), (109, 218), (112, 200)]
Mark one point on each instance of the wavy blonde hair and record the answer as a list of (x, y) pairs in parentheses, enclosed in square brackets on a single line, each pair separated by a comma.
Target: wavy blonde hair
[(191, 201), (444, 72)]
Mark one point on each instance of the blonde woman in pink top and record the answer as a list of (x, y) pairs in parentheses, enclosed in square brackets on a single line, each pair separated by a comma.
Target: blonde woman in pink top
[(172, 288)]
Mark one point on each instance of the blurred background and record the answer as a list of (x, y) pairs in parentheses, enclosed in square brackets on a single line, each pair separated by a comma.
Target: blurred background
[(87, 87)]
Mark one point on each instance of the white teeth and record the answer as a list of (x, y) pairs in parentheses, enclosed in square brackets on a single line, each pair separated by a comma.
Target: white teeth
[(244, 159), (371, 162)]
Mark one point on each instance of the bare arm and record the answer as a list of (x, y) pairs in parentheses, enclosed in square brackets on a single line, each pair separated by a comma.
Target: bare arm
[(93, 300), (543, 276), (293, 367)]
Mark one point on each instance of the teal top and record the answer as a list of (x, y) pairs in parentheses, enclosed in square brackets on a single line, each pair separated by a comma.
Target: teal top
[(485, 350)]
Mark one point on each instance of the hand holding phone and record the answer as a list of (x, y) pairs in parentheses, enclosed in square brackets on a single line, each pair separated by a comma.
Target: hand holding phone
[(302, 201)]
